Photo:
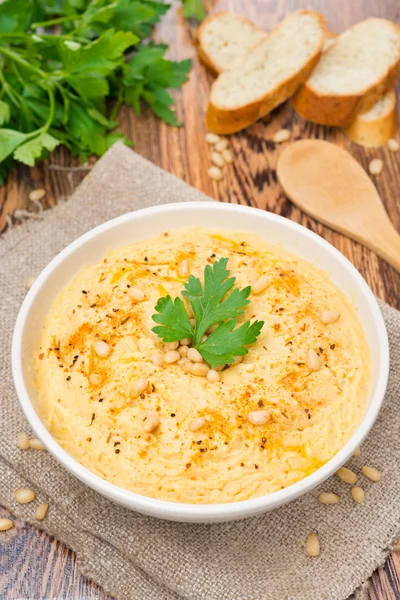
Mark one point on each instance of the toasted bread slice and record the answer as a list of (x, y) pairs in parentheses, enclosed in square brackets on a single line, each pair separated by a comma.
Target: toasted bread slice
[(268, 74), (375, 127), (359, 68), (224, 37)]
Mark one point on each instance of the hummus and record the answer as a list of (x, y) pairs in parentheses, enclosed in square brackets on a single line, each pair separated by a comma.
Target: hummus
[(85, 398)]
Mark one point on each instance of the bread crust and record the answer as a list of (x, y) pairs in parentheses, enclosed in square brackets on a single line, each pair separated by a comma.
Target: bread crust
[(374, 133), (225, 121), (204, 56), (339, 110)]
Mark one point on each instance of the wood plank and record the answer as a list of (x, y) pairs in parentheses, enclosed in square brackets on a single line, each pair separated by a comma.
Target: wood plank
[(33, 565)]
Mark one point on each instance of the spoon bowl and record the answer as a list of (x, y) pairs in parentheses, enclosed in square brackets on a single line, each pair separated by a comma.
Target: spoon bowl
[(327, 183)]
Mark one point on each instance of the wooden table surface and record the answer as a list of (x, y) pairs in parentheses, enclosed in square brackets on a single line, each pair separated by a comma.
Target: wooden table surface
[(34, 566)]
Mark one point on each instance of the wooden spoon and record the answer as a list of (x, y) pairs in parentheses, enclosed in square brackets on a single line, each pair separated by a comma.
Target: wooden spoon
[(326, 182)]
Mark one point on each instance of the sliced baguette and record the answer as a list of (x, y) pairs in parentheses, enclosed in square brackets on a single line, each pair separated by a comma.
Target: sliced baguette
[(224, 37), (268, 74), (359, 68), (330, 39), (375, 127)]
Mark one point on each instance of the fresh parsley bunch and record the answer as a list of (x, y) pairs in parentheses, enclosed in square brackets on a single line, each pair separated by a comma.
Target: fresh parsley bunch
[(62, 60), (215, 302), (193, 9)]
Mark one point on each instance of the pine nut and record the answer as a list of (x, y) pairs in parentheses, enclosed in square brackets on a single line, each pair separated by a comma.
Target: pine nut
[(213, 376), (172, 357), (313, 362), (185, 341), (138, 387), (200, 369), (221, 145), (259, 417), (212, 328), (220, 368), (371, 473), (260, 285), (194, 355), (22, 441), (6, 524), (217, 159), (29, 282), (215, 173), (36, 444), (375, 167), (192, 322), (183, 361), (94, 379), (41, 511), (237, 361), (24, 495), (227, 156), (203, 339), (136, 294), (393, 145), (328, 498), (183, 269), (281, 136), (329, 316), (183, 350), (212, 138), (37, 195), (157, 359), (358, 494), (187, 366), (312, 545), (357, 452), (347, 475), (102, 349), (196, 423), (170, 346), (150, 423)]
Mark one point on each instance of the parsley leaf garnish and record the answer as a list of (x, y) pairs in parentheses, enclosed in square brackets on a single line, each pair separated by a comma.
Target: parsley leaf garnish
[(173, 319), (66, 67), (226, 342), (209, 303), (216, 301)]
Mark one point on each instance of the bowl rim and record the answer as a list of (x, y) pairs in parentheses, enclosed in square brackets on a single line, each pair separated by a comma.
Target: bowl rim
[(184, 511)]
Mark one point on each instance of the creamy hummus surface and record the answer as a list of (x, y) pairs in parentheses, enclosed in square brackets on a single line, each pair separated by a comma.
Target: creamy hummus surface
[(86, 399)]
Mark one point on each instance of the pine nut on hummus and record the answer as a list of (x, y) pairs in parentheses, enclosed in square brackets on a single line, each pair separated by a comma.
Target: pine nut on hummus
[(275, 410)]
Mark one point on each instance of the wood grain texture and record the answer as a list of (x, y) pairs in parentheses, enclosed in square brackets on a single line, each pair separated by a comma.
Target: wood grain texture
[(32, 565)]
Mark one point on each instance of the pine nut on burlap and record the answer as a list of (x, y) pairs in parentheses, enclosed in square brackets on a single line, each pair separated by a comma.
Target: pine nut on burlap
[(140, 558)]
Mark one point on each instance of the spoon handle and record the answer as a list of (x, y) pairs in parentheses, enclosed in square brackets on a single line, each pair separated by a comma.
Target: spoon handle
[(385, 242)]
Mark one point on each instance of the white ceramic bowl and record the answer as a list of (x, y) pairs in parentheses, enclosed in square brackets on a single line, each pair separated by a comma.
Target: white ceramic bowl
[(142, 224)]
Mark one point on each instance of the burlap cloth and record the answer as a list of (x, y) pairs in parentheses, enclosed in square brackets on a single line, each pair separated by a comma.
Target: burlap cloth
[(140, 558)]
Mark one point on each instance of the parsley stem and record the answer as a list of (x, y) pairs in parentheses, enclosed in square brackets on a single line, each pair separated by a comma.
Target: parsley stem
[(18, 59), (10, 34), (57, 21), (65, 100), (51, 110), (117, 105), (7, 89)]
